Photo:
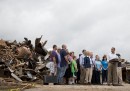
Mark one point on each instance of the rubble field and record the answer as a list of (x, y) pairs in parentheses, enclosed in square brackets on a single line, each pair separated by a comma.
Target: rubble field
[(21, 64)]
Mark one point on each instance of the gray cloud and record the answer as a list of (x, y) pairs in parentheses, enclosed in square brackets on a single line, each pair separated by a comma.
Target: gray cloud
[(95, 25)]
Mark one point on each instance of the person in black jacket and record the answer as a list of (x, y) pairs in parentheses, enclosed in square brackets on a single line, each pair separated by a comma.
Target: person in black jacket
[(78, 66), (87, 66)]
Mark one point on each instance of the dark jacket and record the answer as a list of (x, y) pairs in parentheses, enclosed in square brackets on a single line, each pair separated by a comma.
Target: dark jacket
[(87, 62)]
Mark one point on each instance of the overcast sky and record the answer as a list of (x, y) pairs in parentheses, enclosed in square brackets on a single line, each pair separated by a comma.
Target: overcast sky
[(94, 25)]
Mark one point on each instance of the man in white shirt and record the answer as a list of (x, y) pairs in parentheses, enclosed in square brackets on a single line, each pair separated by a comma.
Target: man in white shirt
[(112, 68), (82, 69)]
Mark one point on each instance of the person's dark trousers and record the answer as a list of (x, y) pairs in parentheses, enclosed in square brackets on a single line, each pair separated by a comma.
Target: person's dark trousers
[(67, 74), (58, 74), (97, 77), (94, 77), (104, 76), (78, 75)]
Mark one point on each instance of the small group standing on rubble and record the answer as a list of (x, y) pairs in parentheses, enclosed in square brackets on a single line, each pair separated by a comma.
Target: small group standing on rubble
[(86, 69)]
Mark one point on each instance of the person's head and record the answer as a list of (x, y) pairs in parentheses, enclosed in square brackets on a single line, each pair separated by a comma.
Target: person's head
[(74, 57), (91, 54), (67, 51), (87, 53), (84, 51), (97, 58), (54, 47), (68, 54), (64, 46), (58, 50), (50, 52), (71, 54), (104, 57), (80, 55), (113, 50)]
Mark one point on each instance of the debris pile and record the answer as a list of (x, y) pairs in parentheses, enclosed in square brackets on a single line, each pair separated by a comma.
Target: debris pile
[(22, 61)]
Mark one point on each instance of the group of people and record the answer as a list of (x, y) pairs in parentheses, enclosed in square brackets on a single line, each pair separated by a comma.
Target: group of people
[(86, 69)]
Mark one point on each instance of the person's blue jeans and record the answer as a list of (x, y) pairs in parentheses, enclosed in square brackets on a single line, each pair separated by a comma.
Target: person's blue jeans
[(62, 71), (58, 74)]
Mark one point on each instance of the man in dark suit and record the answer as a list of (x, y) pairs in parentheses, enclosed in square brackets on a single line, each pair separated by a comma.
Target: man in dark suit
[(87, 66)]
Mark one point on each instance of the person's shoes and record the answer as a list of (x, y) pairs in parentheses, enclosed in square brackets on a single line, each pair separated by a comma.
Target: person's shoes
[(121, 85), (85, 83), (89, 83), (55, 83), (61, 84), (78, 82), (117, 85), (109, 84), (101, 84), (73, 83)]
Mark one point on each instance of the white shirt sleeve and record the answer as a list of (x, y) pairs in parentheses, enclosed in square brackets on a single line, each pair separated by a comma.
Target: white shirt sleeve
[(81, 60)]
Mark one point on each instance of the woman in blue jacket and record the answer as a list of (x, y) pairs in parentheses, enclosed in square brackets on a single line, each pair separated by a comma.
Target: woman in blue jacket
[(104, 69)]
